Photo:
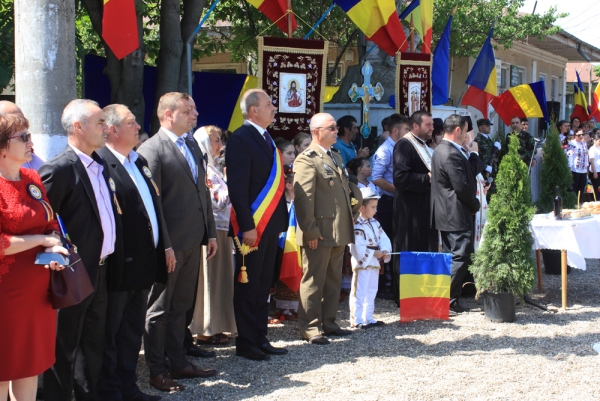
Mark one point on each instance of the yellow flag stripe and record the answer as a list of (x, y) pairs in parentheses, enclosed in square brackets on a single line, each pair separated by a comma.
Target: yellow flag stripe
[(424, 285)]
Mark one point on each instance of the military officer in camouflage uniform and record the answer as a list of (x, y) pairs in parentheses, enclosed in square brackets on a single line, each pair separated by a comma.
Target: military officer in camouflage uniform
[(326, 206), (527, 144), (487, 147)]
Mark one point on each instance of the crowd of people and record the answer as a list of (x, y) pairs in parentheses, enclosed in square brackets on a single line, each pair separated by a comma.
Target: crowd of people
[(179, 235)]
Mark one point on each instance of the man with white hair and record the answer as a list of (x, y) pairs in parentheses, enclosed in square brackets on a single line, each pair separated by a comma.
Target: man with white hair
[(82, 193), (7, 107), (326, 206)]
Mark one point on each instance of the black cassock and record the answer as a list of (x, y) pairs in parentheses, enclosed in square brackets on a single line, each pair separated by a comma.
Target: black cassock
[(412, 230)]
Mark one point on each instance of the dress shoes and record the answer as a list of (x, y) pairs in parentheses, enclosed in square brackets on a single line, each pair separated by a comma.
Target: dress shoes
[(254, 354), (198, 352), (143, 397), (339, 333), (452, 313), (268, 349), (163, 382), (318, 340), (192, 371), (458, 308), (377, 323)]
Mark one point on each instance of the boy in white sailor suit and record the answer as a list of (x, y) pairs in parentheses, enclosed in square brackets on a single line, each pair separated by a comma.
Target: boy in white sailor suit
[(370, 247)]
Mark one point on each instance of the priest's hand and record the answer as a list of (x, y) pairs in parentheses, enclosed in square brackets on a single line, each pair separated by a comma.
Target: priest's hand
[(313, 244)]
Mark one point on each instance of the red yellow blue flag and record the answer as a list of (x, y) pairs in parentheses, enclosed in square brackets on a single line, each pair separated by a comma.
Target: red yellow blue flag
[(275, 10), (595, 108), (581, 109), (482, 79), (528, 100), (424, 286), (422, 14), (291, 263), (379, 21)]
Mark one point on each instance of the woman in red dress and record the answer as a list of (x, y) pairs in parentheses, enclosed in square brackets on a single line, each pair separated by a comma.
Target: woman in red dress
[(27, 226)]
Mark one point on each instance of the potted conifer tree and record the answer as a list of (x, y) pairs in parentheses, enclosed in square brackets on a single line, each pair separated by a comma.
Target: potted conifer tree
[(502, 266), (555, 173)]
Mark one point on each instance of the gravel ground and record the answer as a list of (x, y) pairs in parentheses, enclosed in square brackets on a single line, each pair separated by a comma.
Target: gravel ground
[(542, 356)]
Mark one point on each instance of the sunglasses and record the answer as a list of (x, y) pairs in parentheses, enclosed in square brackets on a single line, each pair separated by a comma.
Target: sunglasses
[(25, 137)]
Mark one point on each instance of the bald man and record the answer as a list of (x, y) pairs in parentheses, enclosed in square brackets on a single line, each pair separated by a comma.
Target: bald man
[(326, 209), (6, 108)]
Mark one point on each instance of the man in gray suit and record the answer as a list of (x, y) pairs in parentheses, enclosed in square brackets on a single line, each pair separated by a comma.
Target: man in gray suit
[(177, 168)]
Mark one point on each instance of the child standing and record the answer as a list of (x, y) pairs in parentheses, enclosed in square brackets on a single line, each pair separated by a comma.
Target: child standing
[(371, 245)]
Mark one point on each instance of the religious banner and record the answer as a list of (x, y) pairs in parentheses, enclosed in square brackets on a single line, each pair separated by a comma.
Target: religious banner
[(293, 73), (413, 83)]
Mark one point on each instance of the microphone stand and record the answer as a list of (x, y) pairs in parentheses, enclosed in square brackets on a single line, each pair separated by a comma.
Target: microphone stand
[(537, 144)]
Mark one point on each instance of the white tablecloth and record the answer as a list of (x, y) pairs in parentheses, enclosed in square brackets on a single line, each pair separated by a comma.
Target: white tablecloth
[(578, 237)]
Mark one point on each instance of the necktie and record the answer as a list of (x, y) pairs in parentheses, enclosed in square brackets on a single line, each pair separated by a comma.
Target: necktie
[(464, 152), (268, 138), (188, 156), (330, 155)]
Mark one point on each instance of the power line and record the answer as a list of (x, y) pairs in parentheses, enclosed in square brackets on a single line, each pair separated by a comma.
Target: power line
[(583, 12), (582, 22)]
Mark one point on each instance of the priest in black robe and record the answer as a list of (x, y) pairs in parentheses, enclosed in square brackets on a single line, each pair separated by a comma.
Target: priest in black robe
[(412, 182)]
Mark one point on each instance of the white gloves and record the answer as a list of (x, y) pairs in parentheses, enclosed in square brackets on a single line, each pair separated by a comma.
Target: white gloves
[(498, 145), (488, 169)]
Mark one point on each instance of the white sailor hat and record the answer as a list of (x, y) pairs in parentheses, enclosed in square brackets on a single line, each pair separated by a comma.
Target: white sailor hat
[(368, 193)]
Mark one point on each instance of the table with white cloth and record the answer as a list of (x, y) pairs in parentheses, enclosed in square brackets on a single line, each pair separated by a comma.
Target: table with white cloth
[(577, 239)]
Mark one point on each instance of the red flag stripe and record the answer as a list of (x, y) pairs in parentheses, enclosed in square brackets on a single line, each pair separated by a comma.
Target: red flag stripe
[(119, 27)]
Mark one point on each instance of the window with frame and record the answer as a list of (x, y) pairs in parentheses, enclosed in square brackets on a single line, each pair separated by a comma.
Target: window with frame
[(336, 79)]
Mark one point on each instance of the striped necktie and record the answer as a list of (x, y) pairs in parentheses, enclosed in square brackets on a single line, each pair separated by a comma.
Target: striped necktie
[(188, 156)]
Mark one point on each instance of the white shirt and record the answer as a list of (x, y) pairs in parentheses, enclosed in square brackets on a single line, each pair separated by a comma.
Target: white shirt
[(368, 233), (577, 154), (103, 198), (594, 153), (141, 185)]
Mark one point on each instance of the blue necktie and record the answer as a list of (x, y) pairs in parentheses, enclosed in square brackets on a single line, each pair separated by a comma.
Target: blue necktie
[(188, 156)]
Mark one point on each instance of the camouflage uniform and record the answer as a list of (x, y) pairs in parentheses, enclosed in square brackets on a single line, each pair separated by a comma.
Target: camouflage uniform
[(486, 151), (526, 146)]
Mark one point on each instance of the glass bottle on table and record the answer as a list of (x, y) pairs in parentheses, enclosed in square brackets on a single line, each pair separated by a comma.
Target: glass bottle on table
[(558, 205)]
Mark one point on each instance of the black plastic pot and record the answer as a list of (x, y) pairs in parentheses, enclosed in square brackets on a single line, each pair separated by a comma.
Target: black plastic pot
[(499, 308), (552, 262)]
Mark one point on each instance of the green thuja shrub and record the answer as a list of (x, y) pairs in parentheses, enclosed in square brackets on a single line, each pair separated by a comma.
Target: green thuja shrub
[(503, 262), (555, 172)]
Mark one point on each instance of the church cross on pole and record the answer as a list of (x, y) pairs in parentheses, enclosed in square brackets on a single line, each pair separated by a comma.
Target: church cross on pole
[(365, 92)]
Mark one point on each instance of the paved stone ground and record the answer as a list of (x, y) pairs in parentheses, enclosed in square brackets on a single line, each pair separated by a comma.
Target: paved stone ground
[(541, 356)]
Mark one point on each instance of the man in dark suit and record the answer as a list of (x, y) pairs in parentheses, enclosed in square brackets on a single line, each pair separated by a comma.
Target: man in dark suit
[(249, 159), (177, 169), (81, 192), (454, 201), (144, 255)]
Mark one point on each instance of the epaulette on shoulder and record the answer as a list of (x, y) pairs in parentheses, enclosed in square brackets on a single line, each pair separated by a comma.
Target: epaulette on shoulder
[(309, 152), (334, 150)]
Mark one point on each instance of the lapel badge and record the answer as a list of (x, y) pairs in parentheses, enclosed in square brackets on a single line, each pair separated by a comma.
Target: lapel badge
[(147, 172), (112, 185), (35, 192)]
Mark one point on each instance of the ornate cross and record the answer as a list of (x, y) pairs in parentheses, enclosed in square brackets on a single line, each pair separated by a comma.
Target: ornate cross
[(365, 92)]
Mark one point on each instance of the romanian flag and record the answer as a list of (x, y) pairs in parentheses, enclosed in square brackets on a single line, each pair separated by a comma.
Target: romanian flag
[(119, 27), (482, 79), (441, 67), (276, 11), (379, 21), (581, 109), (422, 14), (424, 286), (291, 263), (595, 109), (527, 100)]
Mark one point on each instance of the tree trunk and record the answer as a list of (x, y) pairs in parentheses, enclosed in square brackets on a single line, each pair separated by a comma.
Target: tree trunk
[(126, 76), (45, 68), (192, 11)]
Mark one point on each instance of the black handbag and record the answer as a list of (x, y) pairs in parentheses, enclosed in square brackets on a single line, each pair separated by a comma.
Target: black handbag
[(71, 285)]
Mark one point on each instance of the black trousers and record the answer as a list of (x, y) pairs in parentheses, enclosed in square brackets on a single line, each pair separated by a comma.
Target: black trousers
[(79, 347), (125, 319), (579, 182), (250, 299), (596, 184), (385, 216), (460, 245)]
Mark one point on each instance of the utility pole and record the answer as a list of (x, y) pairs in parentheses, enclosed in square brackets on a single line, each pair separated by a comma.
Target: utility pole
[(45, 68)]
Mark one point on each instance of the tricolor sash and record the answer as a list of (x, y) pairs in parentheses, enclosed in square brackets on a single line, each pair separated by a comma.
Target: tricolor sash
[(264, 205)]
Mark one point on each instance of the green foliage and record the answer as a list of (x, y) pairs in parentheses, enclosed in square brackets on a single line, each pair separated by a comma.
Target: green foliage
[(555, 172), (597, 70), (503, 262), (7, 42), (474, 18)]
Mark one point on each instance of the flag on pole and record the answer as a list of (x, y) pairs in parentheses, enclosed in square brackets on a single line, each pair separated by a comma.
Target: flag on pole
[(581, 109), (119, 27), (527, 100), (424, 286), (422, 15), (275, 10), (291, 263), (441, 67), (595, 108), (482, 79), (378, 20)]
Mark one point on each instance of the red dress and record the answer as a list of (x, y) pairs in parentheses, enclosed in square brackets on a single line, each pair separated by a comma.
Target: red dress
[(27, 320)]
